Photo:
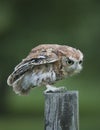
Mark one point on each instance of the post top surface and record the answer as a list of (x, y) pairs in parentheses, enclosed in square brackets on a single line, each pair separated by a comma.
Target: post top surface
[(64, 92)]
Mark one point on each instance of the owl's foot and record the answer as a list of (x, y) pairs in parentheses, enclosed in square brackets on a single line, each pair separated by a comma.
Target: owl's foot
[(53, 89)]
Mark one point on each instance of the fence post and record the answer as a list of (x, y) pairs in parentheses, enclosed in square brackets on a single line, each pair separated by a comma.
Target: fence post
[(62, 111)]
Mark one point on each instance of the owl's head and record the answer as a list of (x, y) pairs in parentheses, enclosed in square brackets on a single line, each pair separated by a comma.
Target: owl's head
[(73, 62)]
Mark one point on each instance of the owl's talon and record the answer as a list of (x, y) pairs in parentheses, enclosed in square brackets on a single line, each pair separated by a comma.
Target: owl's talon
[(51, 89)]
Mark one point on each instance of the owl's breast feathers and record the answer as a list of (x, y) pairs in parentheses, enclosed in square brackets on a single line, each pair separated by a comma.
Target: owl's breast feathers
[(42, 66)]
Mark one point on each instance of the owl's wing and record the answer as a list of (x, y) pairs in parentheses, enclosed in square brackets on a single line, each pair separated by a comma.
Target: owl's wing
[(28, 64)]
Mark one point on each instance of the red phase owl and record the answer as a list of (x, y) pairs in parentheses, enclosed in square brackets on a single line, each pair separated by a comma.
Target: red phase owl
[(45, 65)]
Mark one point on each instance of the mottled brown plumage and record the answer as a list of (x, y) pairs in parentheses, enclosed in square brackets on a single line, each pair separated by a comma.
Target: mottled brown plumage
[(44, 65)]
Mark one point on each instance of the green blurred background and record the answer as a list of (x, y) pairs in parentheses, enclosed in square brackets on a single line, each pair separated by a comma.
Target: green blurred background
[(27, 23)]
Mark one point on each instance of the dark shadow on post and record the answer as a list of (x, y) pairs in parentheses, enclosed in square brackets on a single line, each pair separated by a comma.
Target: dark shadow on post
[(62, 111)]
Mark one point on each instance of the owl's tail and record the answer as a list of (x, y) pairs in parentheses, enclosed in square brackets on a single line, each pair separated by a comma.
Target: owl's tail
[(16, 78), (17, 85)]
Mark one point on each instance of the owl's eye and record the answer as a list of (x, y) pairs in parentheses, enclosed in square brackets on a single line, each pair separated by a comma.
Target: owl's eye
[(80, 62), (69, 61)]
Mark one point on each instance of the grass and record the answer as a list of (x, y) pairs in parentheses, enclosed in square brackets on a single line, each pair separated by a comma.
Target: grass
[(21, 123), (37, 123)]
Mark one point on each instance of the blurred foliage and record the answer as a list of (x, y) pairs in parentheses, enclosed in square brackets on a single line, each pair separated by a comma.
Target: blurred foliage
[(27, 23)]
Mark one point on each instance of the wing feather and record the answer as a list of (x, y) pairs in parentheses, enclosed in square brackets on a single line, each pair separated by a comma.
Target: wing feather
[(27, 64)]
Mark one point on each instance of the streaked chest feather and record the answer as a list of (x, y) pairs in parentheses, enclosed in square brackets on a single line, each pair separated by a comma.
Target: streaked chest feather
[(39, 77)]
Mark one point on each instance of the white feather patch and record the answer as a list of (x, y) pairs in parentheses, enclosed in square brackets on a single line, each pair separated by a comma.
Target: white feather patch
[(37, 79)]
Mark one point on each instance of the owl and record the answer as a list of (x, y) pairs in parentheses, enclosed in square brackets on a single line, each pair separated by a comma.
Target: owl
[(45, 64)]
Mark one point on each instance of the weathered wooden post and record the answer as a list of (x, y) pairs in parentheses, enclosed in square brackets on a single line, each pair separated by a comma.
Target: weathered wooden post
[(62, 111)]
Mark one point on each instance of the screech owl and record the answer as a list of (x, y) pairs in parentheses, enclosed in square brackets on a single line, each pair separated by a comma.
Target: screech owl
[(45, 65)]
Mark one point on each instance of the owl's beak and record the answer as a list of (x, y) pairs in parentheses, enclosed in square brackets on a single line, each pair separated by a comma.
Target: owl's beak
[(76, 68)]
